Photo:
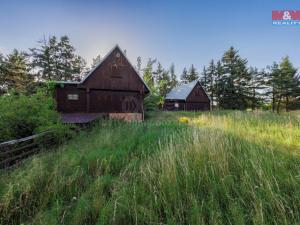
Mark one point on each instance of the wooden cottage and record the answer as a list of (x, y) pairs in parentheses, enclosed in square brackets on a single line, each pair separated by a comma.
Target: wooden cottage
[(112, 88), (187, 97)]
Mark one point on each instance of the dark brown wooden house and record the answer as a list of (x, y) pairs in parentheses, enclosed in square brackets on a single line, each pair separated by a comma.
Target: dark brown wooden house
[(113, 87), (187, 97)]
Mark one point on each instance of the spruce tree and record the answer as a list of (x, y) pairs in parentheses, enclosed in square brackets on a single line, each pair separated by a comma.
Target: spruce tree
[(184, 76), (56, 60), (70, 65), (16, 72), (158, 74), (283, 84), (210, 81), (204, 78), (257, 87), (290, 82), (164, 84), (272, 82), (96, 61), (173, 77), (148, 74), (235, 81), (2, 78), (139, 63), (193, 74), (219, 83)]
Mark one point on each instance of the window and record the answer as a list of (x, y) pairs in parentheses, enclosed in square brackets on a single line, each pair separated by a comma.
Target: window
[(72, 96)]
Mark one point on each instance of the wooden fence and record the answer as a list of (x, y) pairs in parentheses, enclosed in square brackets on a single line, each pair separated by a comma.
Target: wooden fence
[(13, 152)]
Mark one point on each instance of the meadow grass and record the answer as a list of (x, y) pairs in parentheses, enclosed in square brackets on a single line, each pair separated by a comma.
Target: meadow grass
[(219, 168)]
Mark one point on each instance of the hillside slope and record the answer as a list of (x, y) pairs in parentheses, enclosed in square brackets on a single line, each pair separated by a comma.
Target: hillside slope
[(220, 168)]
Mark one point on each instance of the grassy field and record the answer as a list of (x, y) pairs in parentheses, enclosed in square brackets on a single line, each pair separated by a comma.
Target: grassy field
[(213, 168)]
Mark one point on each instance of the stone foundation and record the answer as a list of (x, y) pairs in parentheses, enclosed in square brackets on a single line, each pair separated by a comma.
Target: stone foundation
[(126, 116)]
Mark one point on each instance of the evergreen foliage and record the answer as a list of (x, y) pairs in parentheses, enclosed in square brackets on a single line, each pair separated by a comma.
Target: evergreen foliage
[(192, 74), (284, 84), (55, 59), (184, 76), (173, 77), (139, 63), (96, 61), (14, 72)]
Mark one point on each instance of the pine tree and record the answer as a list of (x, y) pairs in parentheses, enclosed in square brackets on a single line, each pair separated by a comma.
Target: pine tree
[(211, 75), (271, 82), (164, 84), (290, 81), (184, 76), (219, 83), (235, 93), (284, 84), (204, 78), (2, 78), (139, 63), (158, 74), (70, 65), (56, 60), (257, 87), (96, 61), (173, 77), (193, 74), (16, 72), (148, 73)]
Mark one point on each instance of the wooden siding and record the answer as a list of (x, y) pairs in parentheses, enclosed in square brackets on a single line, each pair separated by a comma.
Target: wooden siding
[(170, 105), (69, 106), (112, 87), (115, 73), (115, 101), (198, 95), (186, 106), (197, 106), (197, 100)]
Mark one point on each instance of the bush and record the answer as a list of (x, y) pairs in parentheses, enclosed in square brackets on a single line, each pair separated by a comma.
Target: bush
[(184, 120), (22, 116), (152, 102)]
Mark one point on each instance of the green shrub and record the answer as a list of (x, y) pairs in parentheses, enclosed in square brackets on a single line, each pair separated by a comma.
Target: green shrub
[(22, 116)]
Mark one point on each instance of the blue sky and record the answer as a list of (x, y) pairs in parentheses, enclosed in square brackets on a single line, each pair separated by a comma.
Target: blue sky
[(182, 32)]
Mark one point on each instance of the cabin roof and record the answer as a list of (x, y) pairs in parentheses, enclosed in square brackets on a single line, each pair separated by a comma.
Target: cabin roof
[(182, 92), (99, 64)]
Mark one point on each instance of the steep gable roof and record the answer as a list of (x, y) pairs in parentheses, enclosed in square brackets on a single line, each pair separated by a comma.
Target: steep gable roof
[(182, 92), (100, 63)]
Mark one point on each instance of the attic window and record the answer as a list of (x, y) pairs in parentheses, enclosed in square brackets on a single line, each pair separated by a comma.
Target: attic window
[(72, 96)]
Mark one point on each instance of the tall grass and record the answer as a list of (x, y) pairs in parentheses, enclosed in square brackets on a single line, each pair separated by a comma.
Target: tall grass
[(70, 186), (211, 177), (221, 168)]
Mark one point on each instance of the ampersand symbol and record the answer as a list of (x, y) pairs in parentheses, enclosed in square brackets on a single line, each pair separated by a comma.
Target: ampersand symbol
[(286, 15)]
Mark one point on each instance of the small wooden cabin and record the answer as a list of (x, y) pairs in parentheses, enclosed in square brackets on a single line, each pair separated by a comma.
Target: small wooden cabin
[(187, 97), (113, 87)]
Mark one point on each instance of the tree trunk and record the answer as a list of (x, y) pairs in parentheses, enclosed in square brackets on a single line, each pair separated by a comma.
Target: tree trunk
[(212, 101), (278, 104), (253, 101), (273, 102)]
